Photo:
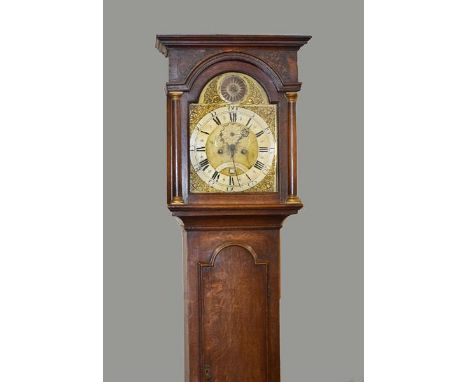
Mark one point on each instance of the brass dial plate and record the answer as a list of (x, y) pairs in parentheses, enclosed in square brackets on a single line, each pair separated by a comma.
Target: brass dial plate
[(233, 144)]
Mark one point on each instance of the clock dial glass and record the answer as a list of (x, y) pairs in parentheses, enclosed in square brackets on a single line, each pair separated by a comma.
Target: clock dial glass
[(233, 137)]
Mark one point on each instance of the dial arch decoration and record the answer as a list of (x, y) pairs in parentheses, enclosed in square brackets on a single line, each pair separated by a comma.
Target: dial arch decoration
[(233, 137)]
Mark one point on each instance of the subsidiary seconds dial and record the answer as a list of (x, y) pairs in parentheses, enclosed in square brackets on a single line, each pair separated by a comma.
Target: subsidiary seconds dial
[(232, 149)]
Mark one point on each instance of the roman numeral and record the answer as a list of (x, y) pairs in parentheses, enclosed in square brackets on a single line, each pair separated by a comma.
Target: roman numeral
[(231, 181), (204, 164), (248, 124), (259, 133), (204, 132), (263, 149), (233, 113), (201, 148), (259, 165), (216, 119), (215, 176), (247, 175)]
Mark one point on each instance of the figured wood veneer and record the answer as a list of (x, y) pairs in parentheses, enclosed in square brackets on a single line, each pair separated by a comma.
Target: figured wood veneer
[(234, 321)]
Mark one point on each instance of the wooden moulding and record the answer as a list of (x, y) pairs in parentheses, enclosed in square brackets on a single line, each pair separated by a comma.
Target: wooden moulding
[(163, 42)]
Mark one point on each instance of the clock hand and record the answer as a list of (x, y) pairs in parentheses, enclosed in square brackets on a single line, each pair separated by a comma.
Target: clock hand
[(221, 137), (232, 149), (235, 169), (244, 133)]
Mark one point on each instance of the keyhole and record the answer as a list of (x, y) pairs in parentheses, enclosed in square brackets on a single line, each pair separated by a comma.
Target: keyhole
[(208, 373)]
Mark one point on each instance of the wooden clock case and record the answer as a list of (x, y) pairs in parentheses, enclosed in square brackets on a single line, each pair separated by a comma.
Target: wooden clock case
[(231, 240)]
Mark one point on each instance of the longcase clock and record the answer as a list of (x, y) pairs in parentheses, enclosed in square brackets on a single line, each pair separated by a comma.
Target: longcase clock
[(231, 182)]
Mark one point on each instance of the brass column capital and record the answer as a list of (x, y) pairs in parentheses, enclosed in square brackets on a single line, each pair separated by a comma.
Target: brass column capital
[(292, 96), (175, 95)]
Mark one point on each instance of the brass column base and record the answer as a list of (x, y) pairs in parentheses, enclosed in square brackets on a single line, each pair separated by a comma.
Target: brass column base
[(177, 200), (293, 199)]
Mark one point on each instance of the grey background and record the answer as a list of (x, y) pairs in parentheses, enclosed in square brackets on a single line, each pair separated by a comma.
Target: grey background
[(322, 264)]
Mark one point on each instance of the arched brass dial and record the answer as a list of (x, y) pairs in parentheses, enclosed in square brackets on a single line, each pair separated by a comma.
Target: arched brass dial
[(233, 137)]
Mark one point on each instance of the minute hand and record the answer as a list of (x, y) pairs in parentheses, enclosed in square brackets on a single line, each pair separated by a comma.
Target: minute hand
[(235, 169)]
